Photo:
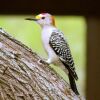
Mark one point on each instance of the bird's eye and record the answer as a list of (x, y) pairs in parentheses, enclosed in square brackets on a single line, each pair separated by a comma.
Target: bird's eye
[(43, 18)]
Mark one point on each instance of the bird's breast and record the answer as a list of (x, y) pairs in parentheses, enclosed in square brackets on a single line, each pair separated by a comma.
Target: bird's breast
[(45, 39), (46, 34)]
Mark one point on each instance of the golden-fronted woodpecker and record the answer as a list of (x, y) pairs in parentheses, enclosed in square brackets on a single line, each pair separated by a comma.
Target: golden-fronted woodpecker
[(56, 47)]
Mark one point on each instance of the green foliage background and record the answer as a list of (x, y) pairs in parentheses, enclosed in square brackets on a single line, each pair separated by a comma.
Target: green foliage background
[(74, 28)]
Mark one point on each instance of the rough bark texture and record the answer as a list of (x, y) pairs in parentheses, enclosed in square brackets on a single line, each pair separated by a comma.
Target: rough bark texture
[(24, 77)]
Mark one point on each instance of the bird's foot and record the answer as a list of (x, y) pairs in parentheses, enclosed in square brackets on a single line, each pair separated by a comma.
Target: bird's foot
[(43, 62)]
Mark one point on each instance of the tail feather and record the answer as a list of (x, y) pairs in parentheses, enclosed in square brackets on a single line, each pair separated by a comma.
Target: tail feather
[(72, 77), (73, 84), (71, 71)]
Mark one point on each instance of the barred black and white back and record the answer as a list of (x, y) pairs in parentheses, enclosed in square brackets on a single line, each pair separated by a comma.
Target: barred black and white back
[(61, 48)]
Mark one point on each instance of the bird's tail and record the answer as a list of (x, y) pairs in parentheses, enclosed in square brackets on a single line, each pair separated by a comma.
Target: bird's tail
[(72, 77), (73, 84)]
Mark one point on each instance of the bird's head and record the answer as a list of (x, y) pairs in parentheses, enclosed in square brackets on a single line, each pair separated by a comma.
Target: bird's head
[(43, 19)]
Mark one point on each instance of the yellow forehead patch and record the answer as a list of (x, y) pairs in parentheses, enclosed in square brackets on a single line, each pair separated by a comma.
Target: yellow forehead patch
[(38, 16)]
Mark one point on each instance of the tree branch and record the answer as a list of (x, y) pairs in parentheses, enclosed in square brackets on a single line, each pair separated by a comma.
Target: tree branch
[(24, 77)]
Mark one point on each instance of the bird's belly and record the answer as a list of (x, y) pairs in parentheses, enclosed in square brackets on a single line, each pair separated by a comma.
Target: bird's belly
[(45, 39), (51, 54)]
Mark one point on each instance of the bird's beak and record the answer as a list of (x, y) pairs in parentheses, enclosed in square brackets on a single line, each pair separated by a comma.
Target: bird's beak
[(36, 18), (31, 19)]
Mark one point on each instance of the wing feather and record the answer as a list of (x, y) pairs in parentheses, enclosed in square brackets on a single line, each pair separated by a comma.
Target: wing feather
[(61, 48)]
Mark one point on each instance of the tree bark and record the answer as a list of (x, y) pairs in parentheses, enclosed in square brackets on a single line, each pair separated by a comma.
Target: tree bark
[(24, 77)]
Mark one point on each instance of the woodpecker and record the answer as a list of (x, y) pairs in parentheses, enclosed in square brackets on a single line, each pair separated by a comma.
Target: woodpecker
[(56, 47)]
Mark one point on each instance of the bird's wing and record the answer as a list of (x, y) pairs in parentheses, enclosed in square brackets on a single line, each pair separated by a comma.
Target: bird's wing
[(61, 48)]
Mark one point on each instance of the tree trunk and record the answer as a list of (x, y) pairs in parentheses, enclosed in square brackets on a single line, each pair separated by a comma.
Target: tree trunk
[(24, 77)]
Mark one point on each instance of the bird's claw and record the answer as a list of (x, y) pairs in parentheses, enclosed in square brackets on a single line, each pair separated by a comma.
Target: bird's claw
[(43, 62)]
